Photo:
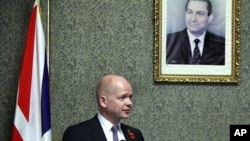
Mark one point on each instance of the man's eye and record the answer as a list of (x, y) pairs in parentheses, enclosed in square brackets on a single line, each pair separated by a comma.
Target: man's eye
[(189, 11), (200, 13), (123, 97)]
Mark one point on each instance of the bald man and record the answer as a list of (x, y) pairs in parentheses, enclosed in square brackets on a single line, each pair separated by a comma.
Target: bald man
[(113, 94)]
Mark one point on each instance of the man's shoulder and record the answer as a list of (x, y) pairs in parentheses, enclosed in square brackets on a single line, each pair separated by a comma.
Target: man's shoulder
[(132, 132), (84, 124), (129, 128), (84, 130), (214, 37), (179, 36), (177, 33)]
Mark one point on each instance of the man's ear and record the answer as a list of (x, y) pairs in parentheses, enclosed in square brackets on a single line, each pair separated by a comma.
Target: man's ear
[(210, 18), (102, 100)]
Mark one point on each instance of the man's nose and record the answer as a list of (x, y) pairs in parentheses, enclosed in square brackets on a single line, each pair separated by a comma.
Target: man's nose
[(193, 17), (129, 102)]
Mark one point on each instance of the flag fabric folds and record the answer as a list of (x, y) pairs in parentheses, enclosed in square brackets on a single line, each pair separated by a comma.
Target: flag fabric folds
[(32, 121)]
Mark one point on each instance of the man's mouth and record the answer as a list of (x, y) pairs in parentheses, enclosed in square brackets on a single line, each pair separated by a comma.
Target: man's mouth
[(192, 25), (127, 111)]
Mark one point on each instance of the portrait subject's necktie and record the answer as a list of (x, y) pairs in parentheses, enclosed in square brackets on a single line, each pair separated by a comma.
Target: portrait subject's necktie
[(115, 130), (196, 56)]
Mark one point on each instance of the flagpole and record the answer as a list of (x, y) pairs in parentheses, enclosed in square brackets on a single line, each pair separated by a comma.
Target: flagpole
[(48, 32)]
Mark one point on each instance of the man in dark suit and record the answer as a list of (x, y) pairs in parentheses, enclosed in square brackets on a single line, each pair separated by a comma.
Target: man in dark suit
[(194, 44), (113, 95)]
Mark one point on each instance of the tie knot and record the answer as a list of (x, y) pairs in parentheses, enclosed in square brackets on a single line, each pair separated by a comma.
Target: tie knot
[(196, 41), (115, 128)]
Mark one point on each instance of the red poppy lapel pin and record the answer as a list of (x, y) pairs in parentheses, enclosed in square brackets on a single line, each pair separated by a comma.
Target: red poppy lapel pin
[(131, 134)]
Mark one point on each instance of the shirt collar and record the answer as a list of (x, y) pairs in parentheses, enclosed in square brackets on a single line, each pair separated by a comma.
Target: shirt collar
[(105, 123), (192, 37)]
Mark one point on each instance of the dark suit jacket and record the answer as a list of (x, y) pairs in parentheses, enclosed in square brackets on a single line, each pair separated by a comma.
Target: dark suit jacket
[(179, 50), (91, 130)]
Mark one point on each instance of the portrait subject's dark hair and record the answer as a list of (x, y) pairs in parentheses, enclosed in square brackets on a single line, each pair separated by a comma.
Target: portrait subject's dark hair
[(209, 5)]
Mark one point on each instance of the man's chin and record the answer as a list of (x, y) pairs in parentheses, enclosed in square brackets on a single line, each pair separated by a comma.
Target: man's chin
[(195, 30), (196, 33)]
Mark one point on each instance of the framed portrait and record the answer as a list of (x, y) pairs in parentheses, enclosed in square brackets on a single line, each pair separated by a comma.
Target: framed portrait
[(197, 41)]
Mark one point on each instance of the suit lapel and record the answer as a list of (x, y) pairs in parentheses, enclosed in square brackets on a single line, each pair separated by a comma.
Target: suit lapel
[(129, 135), (125, 132), (185, 48), (97, 133), (208, 55)]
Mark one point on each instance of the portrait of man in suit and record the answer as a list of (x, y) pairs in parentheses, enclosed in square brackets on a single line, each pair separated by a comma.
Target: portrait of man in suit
[(195, 44)]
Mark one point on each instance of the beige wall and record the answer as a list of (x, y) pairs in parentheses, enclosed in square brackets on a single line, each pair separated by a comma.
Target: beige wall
[(90, 38)]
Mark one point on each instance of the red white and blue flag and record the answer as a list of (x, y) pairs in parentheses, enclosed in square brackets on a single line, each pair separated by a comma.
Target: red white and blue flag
[(32, 115)]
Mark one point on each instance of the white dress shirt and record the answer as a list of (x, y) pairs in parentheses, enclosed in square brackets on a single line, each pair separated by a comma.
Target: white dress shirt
[(192, 43), (106, 126)]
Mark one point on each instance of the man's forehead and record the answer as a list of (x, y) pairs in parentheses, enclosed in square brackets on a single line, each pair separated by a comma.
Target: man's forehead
[(197, 5)]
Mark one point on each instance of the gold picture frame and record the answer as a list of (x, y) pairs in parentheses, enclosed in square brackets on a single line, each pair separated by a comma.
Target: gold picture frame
[(227, 20)]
